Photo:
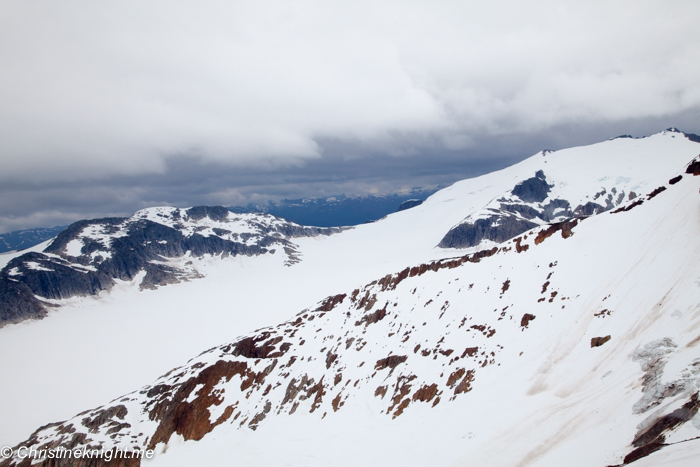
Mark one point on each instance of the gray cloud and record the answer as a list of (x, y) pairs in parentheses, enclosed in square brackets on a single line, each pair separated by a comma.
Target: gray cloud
[(112, 106)]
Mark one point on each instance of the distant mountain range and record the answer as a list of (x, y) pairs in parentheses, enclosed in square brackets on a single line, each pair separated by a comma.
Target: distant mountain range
[(334, 211), (21, 239), (337, 211)]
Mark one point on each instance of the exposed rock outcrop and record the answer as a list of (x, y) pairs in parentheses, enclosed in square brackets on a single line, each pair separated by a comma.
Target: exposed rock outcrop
[(529, 204)]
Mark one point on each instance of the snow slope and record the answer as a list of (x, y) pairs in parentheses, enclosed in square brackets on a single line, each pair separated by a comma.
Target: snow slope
[(546, 406)]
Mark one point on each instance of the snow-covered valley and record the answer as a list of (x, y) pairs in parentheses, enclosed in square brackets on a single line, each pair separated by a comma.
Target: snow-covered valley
[(566, 345)]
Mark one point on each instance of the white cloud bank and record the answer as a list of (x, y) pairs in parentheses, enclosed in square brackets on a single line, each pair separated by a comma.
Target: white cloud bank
[(94, 89)]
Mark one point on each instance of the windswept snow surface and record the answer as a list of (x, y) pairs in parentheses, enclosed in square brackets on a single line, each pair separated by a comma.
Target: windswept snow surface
[(545, 397)]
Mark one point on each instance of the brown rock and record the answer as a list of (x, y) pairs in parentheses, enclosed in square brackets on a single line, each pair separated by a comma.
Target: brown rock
[(598, 341), (527, 317), (390, 362)]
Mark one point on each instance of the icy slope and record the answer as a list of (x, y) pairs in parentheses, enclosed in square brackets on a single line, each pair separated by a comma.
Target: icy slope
[(576, 344)]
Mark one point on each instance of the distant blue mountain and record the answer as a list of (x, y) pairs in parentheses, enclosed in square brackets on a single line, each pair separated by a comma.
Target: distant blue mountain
[(22, 239), (341, 210)]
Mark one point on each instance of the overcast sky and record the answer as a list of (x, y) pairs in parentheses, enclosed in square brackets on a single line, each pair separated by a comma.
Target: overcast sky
[(110, 106)]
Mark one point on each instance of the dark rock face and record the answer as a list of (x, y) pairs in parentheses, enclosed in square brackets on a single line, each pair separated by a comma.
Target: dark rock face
[(653, 438), (511, 218), (532, 190), (555, 208), (497, 228), (589, 209), (528, 205), (411, 203), (18, 302), (693, 168), (54, 279), (121, 248), (692, 137), (216, 213)]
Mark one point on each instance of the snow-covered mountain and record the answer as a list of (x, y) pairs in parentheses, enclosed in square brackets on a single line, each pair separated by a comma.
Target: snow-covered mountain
[(549, 195), (573, 343), (162, 244)]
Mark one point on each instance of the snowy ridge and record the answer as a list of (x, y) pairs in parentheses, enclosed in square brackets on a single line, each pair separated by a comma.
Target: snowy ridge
[(548, 345), (164, 242), (604, 179)]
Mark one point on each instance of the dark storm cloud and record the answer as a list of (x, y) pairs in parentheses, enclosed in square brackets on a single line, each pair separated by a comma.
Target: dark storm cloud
[(108, 107), (346, 168)]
